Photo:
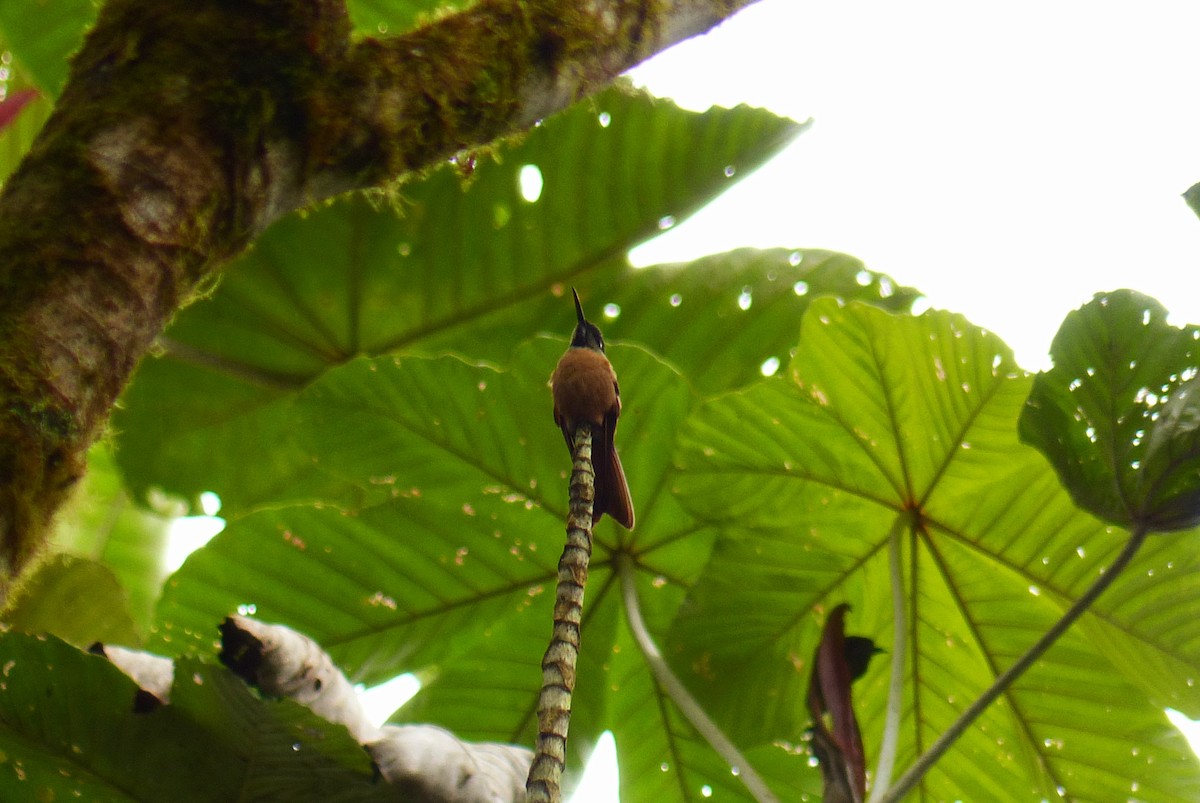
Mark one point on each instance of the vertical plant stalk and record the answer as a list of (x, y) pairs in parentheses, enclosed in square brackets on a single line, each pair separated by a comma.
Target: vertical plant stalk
[(679, 694), (1006, 678), (891, 726), (544, 784)]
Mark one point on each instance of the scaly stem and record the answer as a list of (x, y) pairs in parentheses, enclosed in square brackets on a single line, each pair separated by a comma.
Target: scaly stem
[(1001, 684), (562, 656), (891, 727), (678, 693)]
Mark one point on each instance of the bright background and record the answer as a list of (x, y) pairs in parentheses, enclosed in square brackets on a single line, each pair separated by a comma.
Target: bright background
[(1008, 161)]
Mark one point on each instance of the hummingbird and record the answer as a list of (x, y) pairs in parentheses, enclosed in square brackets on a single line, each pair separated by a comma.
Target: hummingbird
[(585, 390)]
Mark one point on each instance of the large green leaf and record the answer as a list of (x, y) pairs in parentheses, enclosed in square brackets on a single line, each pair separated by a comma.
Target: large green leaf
[(1117, 415), (102, 524), (462, 476), (725, 319), (80, 601), (16, 137), (898, 423), (463, 270), (44, 35), (449, 569), (18, 134), (491, 694), (214, 741), (1148, 629)]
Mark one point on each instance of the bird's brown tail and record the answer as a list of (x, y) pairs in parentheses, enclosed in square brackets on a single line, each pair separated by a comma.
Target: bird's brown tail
[(612, 492)]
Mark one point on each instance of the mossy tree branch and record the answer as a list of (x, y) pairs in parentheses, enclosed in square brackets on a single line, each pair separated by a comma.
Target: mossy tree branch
[(186, 128)]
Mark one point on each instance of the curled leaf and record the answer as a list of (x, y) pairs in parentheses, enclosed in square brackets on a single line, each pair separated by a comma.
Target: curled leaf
[(840, 751)]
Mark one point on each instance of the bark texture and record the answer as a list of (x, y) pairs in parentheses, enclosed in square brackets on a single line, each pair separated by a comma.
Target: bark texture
[(561, 661), (187, 127)]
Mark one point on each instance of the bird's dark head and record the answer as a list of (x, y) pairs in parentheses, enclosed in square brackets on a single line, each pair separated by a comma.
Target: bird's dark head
[(586, 336), (859, 652)]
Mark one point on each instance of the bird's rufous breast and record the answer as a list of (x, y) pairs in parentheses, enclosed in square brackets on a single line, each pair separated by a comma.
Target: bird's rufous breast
[(584, 387)]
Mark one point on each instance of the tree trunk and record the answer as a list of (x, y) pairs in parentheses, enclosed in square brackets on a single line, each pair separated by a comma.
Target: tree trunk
[(186, 128)]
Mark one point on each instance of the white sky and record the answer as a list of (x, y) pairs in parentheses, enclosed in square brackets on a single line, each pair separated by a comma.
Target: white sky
[(1009, 161)]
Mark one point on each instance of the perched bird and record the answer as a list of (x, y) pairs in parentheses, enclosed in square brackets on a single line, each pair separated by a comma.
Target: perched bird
[(585, 390), (859, 652)]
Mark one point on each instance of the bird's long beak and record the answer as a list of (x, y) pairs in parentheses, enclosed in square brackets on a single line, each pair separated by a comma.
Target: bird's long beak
[(578, 307)]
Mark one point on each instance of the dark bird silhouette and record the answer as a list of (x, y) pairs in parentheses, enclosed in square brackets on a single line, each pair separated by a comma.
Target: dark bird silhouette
[(585, 390), (859, 652)]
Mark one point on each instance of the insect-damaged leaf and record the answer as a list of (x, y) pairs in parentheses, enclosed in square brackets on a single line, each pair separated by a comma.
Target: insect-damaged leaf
[(880, 413), (1117, 416)]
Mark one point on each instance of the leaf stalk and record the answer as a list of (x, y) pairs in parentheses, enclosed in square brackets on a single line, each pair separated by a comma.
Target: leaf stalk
[(678, 693), (1006, 678), (891, 726)]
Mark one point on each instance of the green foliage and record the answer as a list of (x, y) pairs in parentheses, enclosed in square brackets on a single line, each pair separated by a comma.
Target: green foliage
[(468, 271), (18, 134), (101, 524), (366, 390), (44, 35), (885, 422), (215, 741), (81, 601), (1118, 416), (1192, 197), (478, 488)]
